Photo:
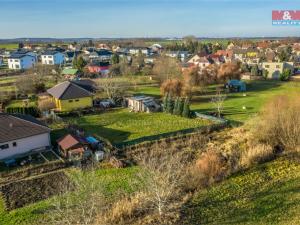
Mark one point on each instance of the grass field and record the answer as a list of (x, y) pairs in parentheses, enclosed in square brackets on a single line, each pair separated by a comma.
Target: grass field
[(9, 46), (258, 93), (120, 125), (267, 194), (113, 181)]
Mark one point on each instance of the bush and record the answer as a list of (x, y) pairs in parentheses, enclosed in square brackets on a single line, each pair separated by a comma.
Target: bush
[(209, 168), (257, 154), (285, 75), (280, 123), (33, 111)]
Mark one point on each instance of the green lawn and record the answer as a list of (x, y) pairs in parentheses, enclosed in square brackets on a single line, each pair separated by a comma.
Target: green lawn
[(9, 46), (267, 194), (258, 93), (20, 103), (120, 125), (114, 181)]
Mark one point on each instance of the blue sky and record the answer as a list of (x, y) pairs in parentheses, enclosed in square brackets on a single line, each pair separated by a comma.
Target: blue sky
[(142, 18)]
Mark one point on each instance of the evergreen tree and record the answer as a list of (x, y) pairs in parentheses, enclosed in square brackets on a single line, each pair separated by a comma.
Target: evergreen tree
[(170, 105), (254, 70), (79, 63), (165, 103), (186, 109), (115, 59), (176, 106)]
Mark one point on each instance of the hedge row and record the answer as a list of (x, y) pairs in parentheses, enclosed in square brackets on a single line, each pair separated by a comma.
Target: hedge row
[(33, 111)]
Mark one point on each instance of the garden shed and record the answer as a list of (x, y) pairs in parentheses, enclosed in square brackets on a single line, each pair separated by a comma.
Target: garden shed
[(142, 104), (236, 86)]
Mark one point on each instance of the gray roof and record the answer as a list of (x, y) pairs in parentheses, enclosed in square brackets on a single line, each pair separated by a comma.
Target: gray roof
[(50, 52), (17, 126), (68, 90)]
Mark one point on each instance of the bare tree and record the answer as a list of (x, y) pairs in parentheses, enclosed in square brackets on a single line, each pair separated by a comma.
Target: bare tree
[(166, 68), (161, 176), (112, 87), (80, 205), (45, 104), (218, 102)]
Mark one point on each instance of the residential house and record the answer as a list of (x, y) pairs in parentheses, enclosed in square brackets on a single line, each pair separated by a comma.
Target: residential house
[(156, 48), (226, 54), (181, 55), (216, 59), (21, 135), (276, 68), (99, 67), (196, 57), (70, 55), (138, 50), (53, 58), (203, 62), (142, 104), (22, 59), (104, 55), (69, 96), (71, 146)]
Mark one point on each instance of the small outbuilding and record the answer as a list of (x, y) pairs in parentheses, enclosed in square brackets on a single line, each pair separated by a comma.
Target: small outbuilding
[(142, 104), (72, 146), (235, 86)]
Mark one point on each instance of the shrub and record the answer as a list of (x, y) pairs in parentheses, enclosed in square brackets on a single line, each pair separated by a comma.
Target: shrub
[(257, 154), (209, 168), (280, 123), (285, 75)]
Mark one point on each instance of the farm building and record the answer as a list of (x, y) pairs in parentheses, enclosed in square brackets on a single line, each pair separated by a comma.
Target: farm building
[(69, 96), (142, 104), (20, 135)]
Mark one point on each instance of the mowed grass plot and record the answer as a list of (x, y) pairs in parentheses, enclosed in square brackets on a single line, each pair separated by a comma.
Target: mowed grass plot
[(10, 46), (113, 181), (242, 106), (237, 106), (267, 194), (120, 125)]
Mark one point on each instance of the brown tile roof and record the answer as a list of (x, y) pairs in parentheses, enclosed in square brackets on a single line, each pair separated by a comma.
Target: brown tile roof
[(70, 141), (17, 126), (68, 90)]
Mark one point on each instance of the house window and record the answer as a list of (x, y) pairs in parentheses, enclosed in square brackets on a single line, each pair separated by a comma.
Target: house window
[(70, 100), (267, 66), (5, 146), (277, 66), (14, 144), (50, 62), (17, 66)]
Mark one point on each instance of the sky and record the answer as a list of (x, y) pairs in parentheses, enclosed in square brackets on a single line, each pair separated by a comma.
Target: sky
[(142, 18)]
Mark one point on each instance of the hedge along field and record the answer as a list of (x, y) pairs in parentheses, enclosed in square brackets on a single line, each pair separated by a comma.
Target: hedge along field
[(120, 125)]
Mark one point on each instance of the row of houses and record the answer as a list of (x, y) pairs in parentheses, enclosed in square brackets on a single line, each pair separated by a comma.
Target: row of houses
[(24, 59)]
